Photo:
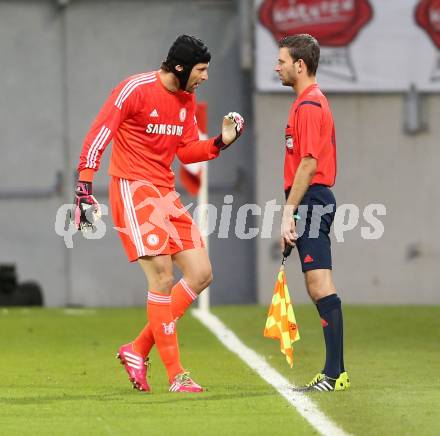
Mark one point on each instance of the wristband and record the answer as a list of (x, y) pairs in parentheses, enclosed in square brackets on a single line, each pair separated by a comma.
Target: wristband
[(218, 142)]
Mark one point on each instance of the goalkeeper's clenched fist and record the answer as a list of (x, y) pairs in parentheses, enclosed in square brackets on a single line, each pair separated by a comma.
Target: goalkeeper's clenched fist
[(233, 125)]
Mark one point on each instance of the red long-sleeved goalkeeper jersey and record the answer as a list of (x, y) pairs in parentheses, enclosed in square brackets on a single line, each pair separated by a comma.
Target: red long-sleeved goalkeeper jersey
[(149, 125)]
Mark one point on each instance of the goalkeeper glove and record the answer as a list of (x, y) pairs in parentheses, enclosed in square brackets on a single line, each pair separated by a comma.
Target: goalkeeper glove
[(86, 209), (233, 125)]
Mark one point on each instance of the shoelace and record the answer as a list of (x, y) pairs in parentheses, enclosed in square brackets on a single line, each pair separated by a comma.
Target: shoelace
[(184, 379), (147, 364), (316, 379)]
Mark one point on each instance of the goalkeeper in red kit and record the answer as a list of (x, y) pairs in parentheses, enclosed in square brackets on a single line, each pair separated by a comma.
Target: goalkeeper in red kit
[(151, 119)]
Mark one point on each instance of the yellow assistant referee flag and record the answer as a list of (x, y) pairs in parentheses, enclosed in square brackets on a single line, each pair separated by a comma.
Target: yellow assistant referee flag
[(281, 322)]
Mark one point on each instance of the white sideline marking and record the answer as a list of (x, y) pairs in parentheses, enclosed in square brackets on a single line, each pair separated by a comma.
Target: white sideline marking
[(79, 312), (305, 407)]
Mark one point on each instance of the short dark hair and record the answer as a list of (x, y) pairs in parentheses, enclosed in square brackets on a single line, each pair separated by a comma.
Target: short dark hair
[(303, 46)]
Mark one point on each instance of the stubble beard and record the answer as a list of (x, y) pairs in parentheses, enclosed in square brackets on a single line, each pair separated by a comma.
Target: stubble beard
[(288, 82)]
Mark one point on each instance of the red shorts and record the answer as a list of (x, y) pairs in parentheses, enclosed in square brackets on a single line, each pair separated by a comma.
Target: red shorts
[(151, 220)]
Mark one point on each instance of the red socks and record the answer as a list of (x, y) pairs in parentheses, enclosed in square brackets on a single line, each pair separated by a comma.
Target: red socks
[(181, 298), (163, 327)]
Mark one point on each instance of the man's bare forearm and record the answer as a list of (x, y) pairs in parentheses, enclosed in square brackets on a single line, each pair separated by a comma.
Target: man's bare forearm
[(301, 183)]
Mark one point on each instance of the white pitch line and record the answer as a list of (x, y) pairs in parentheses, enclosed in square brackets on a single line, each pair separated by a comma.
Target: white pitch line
[(305, 407), (79, 312)]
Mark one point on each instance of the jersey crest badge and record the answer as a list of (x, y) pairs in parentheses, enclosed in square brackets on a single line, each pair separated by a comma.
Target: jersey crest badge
[(152, 239), (182, 115)]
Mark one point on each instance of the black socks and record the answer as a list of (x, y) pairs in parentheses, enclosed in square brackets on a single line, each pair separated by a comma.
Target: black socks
[(330, 311)]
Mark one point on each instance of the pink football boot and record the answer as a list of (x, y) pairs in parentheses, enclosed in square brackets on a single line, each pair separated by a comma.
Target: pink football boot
[(136, 367), (184, 383)]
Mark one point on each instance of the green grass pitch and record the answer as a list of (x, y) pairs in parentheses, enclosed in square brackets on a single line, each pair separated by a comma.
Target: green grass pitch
[(59, 375)]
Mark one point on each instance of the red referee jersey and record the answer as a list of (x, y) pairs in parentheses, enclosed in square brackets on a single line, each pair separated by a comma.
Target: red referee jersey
[(149, 125), (310, 131)]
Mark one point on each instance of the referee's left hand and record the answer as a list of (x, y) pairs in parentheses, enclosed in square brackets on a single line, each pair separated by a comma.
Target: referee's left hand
[(288, 227)]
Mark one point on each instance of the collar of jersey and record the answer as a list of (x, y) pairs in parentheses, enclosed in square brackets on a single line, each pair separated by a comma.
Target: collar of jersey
[(306, 91)]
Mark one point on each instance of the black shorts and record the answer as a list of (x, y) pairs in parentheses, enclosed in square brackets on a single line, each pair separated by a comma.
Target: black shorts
[(317, 212)]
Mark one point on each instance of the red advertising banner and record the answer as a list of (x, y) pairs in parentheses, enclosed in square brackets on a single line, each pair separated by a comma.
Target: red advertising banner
[(365, 44), (427, 15), (333, 23)]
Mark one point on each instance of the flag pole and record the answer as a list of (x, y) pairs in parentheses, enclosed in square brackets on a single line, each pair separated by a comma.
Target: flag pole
[(203, 196), (202, 199), (194, 178)]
